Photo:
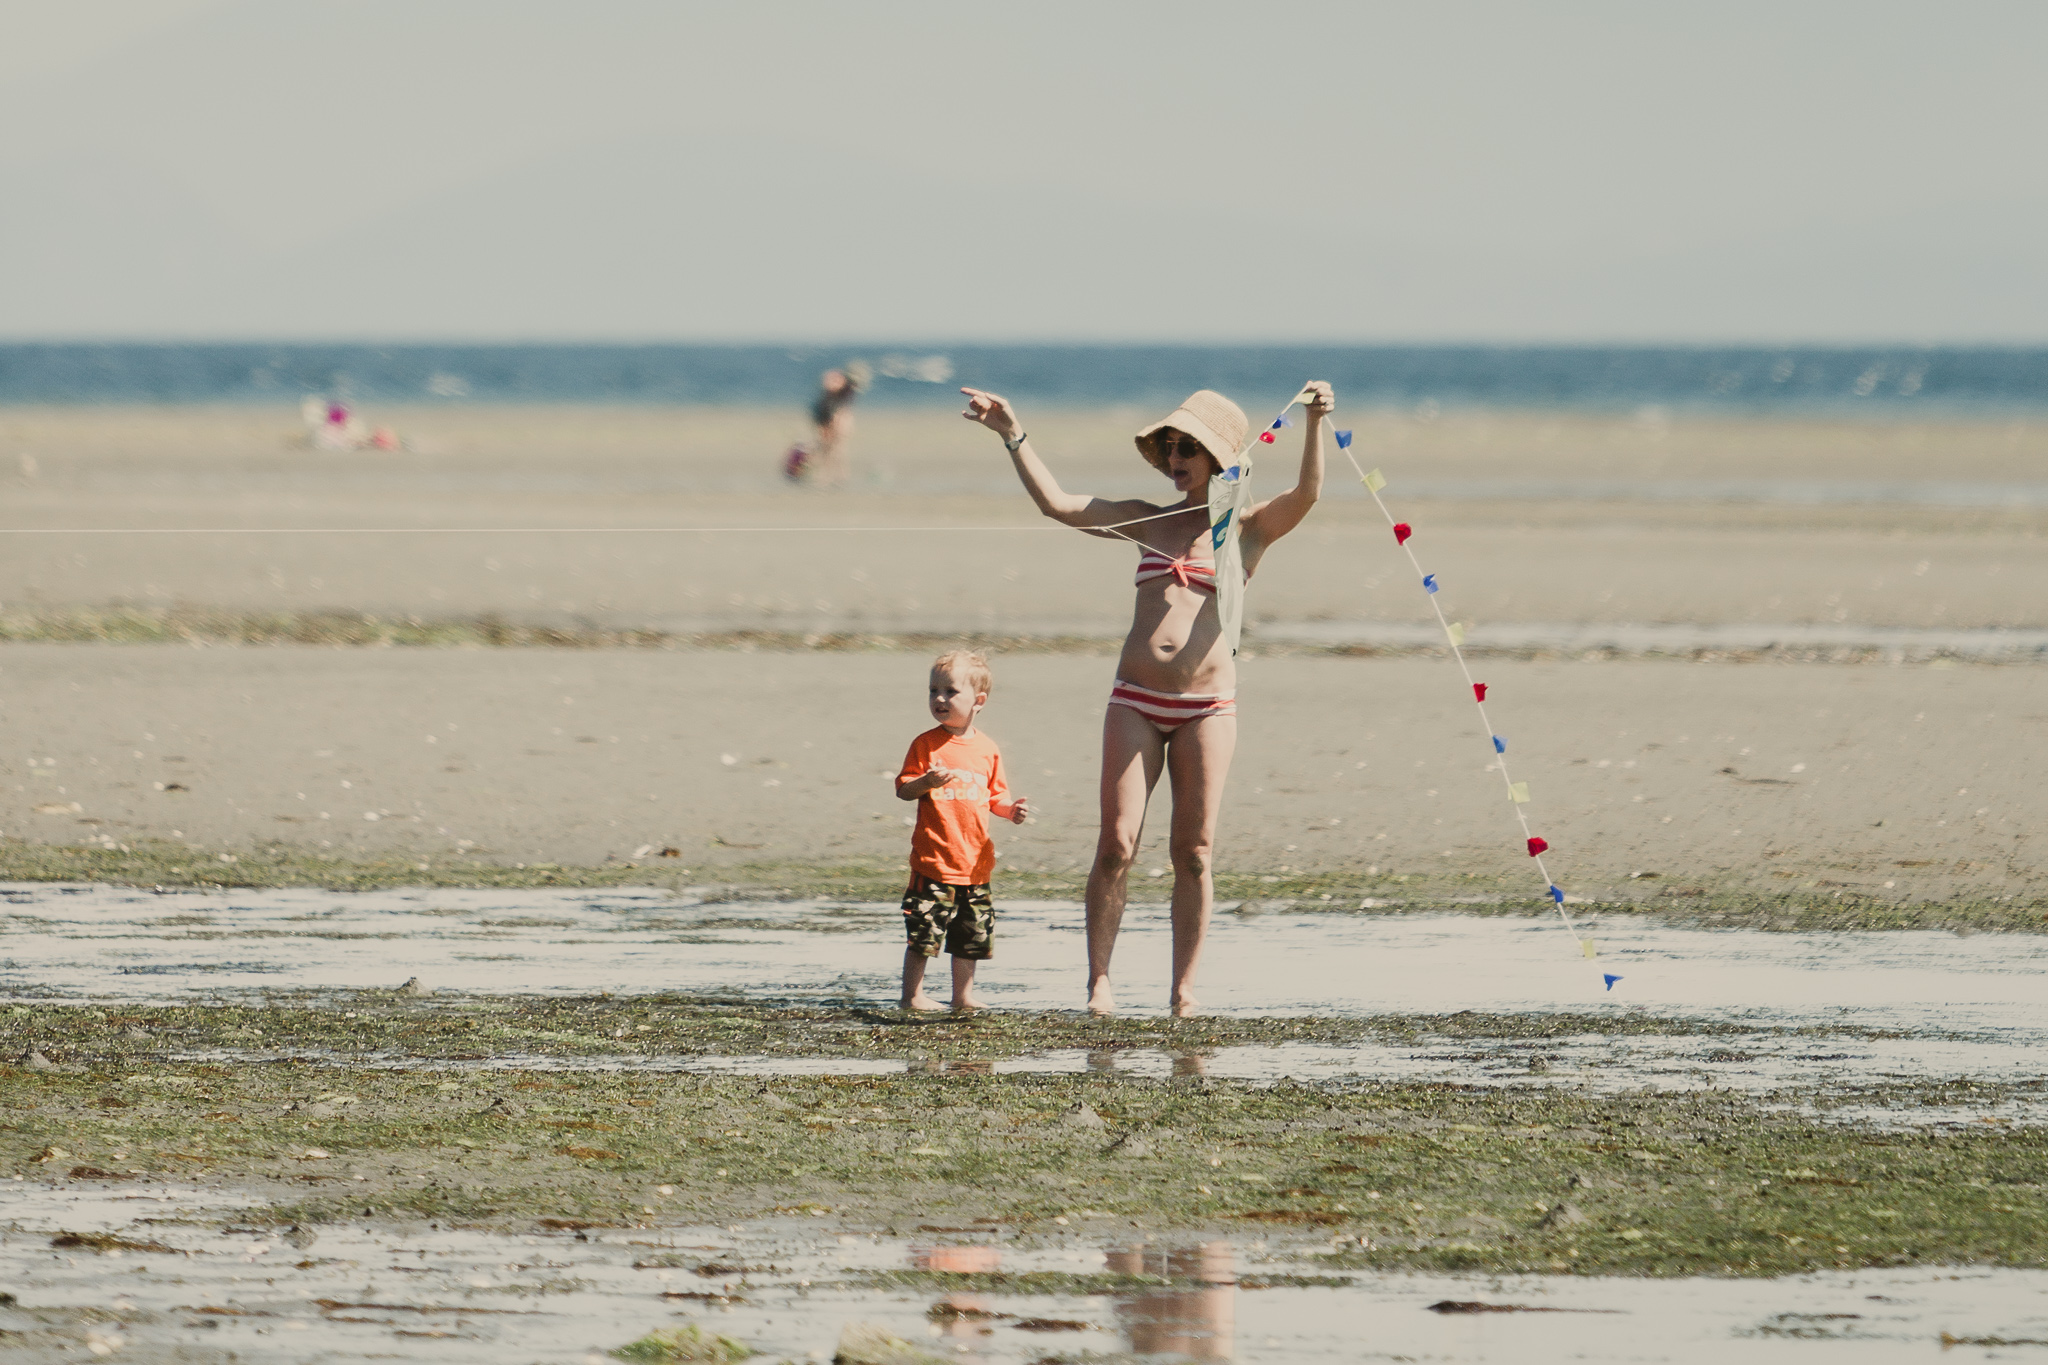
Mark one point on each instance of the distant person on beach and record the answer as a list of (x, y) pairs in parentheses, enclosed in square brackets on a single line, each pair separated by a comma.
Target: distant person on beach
[(331, 426), (955, 774), (1174, 705), (833, 423)]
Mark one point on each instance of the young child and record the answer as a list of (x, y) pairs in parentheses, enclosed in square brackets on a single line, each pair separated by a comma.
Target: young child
[(955, 774)]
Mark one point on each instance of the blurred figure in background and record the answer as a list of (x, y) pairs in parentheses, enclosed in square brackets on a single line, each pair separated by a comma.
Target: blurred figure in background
[(331, 426), (834, 423)]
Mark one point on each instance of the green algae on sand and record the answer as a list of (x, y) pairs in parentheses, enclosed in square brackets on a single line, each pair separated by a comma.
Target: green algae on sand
[(1337, 890), (1400, 1176)]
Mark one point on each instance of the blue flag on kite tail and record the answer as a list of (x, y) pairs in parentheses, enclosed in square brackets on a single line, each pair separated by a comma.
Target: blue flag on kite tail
[(1610, 978), (1344, 439)]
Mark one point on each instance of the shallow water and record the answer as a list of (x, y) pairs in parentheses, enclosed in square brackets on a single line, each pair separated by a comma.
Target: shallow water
[(122, 944), (361, 1292), (1950, 1008)]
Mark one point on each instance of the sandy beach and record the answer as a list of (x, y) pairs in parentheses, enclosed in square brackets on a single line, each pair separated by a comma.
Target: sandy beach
[(1769, 777), (1901, 779), (1759, 675), (1525, 519)]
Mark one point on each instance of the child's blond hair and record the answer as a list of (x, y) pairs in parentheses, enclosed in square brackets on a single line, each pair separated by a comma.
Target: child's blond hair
[(968, 666)]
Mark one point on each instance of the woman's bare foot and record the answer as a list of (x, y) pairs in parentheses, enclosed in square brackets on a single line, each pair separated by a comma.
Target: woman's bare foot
[(1185, 1004), (1101, 1000), (921, 1001)]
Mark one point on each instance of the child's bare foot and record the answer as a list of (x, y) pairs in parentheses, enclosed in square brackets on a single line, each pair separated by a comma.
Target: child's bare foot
[(1101, 1000), (921, 1001), (966, 1000), (1185, 1004)]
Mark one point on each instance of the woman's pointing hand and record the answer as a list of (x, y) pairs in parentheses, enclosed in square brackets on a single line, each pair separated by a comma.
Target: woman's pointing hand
[(992, 411)]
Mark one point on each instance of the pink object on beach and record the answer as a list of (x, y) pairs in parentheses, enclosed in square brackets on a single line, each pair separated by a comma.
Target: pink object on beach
[(1537, 844), (1402, 530), (1479, 691)]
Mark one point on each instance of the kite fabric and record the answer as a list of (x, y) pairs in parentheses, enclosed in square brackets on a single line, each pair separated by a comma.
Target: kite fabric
[(1230, 497)]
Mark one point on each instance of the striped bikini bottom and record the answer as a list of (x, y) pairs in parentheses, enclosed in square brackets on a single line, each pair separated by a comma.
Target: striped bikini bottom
[(1168, 711)]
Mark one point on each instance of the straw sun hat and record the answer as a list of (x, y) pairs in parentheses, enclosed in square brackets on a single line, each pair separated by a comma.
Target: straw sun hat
[(1210, 418)]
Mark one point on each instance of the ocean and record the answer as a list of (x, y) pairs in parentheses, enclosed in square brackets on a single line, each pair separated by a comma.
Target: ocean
[(1897, 381)]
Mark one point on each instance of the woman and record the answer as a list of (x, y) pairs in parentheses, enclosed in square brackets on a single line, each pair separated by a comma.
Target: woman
[(1174, 705)]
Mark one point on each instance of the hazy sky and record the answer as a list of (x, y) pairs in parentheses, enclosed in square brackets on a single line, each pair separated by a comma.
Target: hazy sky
[(896, 169)]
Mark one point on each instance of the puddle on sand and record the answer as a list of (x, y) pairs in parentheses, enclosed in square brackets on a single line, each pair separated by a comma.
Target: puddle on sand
[(1968, 1007), (362, 1293), (1830, 1077), (114, 943)]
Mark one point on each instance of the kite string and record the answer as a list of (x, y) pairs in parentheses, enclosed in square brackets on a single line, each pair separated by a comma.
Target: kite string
[(1500, 753)]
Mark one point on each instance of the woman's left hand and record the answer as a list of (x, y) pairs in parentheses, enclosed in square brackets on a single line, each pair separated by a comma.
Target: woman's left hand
[(1322, 400)]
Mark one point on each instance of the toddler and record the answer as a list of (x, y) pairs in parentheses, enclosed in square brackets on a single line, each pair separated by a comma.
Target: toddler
[(955, 774)]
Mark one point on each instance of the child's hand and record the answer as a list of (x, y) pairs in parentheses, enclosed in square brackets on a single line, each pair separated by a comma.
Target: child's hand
[(936, 777), (1020, 810)]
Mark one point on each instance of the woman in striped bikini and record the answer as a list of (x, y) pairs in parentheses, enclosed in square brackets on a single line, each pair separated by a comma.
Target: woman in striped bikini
[(1174, 705)]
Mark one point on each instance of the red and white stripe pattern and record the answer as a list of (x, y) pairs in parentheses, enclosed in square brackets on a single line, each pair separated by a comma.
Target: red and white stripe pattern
[(1168, 711), (1189, 572)]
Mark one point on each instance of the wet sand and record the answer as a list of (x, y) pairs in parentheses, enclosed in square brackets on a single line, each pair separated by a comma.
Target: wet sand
[(1652, 779)]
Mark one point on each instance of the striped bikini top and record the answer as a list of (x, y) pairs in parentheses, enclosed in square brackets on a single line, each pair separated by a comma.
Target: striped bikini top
[(1189, 572)]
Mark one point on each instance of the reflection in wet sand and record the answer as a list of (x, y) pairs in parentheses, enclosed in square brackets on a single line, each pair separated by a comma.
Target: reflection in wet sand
[(962, 1318), (1199, 1322)]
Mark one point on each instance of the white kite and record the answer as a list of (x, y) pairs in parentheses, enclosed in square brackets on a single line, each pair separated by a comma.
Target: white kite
[(1230, 501), (1230, 498)]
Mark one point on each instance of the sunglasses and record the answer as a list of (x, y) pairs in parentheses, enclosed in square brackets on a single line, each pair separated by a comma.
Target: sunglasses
[(1173, 443)]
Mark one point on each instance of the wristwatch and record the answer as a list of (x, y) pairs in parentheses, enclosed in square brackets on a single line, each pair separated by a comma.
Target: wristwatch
[(1014, 446)]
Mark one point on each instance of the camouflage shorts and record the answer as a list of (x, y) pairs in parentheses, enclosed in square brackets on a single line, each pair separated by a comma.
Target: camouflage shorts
[(962, 919)]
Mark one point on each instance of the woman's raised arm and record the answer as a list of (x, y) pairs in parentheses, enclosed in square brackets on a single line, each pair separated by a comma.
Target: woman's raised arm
[(1283, 512), (1071, 509)]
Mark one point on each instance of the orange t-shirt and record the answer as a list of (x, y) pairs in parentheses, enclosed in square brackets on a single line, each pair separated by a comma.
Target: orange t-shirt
[(951, 843)]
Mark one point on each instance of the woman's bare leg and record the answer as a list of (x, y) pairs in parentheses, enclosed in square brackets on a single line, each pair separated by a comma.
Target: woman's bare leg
[(1198, 757), (1132, 755)]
